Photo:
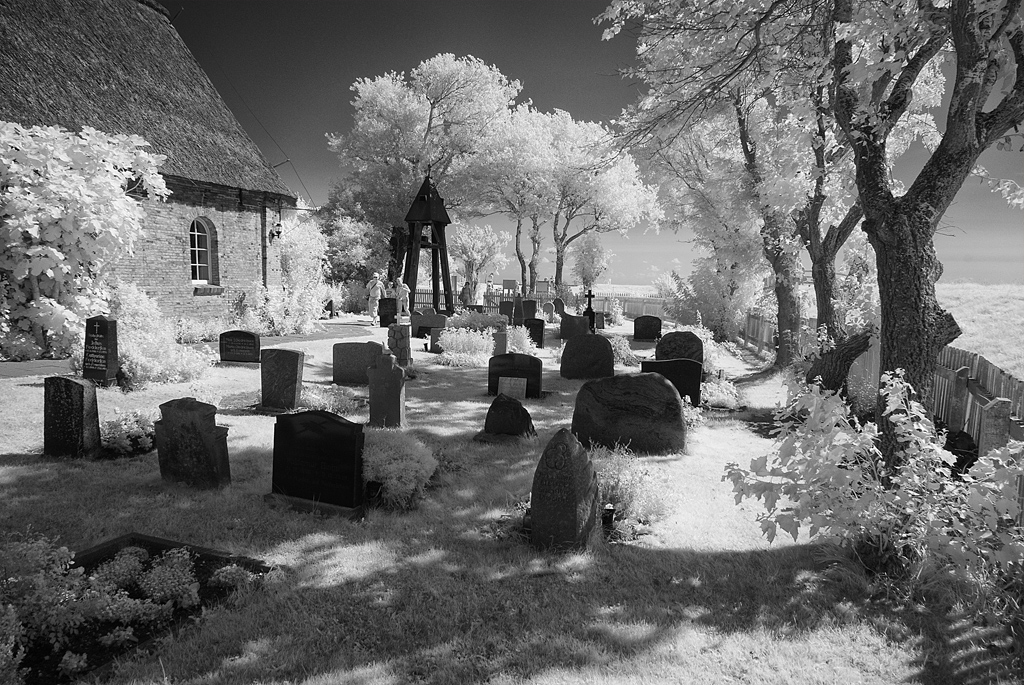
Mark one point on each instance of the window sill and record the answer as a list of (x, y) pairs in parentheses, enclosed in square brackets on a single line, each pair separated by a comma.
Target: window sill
[(203, 290)]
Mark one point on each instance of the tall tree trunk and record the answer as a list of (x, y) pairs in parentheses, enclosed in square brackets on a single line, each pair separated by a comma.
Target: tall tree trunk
[(536, 240), (519, 249), (787, 270)]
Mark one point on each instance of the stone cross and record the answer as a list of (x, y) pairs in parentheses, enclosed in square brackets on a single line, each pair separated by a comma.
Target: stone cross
[(589, 311)]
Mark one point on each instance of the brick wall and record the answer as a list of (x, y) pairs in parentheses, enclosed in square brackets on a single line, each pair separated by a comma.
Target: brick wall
[(241, 222)]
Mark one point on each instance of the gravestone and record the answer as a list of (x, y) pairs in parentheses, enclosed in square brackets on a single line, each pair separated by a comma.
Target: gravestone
[(507, 419), (599, 321), (423, 323), (100, 363), (680, 345), (71, 424), (549, 311), (425, 311), (506, 309), (559, 306), (684, 374), (435, 341), (400, 343), (500, 343), (535, 327), (563, 500), (517, 311), (509, 284), (587, 356), (239, 346), (281, 378), (514, 365), (318, 459), (643, 411), (191, 447), (387, 392), (529, 309), (387, 309), (646, 328), (571, 326), (351, 359), (512, 387)]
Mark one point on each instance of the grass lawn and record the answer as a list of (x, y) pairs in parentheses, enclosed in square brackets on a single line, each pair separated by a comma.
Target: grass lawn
[(449, 593)]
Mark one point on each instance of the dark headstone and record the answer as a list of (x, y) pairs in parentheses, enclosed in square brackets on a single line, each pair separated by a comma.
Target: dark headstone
[(587, 356), (535, 327), (646, 328), (517, 311), (559, 306), (423, 323), (387, 309), (680, 345), (598, 321), (435, 341), (500, 343), (529, 309), (191, 447), (100, 361), (351, 360), (506, 417), (239, 346), (506, 308), (549, 310), (281, 378), (387, 392), (684, 374), (71, 424), (563, 501), (641, 410), (571, 326), (318, 456), (514, 365)]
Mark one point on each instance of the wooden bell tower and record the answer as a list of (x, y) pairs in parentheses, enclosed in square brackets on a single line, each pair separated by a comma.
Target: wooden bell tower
[(427, 219)]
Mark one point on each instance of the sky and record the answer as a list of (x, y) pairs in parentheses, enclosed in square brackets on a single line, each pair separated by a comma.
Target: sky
[(286, 67)]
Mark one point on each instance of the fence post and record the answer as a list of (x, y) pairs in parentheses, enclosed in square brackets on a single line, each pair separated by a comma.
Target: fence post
[(995, 425), (958, 400)]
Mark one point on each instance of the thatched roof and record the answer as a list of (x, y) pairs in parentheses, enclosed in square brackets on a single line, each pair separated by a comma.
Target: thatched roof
[(120, 67)]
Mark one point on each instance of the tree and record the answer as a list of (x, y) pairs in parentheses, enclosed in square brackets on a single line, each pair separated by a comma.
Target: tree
[(476, 249), (872, 59), (590, 260), (435, 119), (67, 213)]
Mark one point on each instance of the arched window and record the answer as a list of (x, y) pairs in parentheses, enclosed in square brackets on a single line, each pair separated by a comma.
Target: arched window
[(202, 255)]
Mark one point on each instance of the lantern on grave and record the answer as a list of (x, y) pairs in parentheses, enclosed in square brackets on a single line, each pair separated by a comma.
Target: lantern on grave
[(427, 219)]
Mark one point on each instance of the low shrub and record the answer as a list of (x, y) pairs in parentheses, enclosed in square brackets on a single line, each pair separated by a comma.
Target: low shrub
[(465, 347), (615, 314), (129, 434), (188, 331), (693, 417), (332, 398), (718, 392), (400, 463), (11, 650), (627, 484), (478, 322), (519, 340), (622, 352)]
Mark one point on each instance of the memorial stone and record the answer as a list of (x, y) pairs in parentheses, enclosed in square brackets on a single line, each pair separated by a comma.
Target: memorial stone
[(239, 346), (506, 418), (400, 343), (500, 343), (71, 425), (564, 497), (100, 362), (599, 321), (680, 345), (423, 323), (351, 359), (535, 327), (549, 311), (387, 392), (506, 308), (435, 341), (318, 459), (515, 365), (571, 326), (587, 356), (684, 374), (646, 328), (512, 387), (191, 447), (387, 309), (281, 378), (643, 411), (559, 306), (529, 309)]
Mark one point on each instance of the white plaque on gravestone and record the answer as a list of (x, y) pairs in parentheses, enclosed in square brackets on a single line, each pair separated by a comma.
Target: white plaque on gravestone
[(512, 387)]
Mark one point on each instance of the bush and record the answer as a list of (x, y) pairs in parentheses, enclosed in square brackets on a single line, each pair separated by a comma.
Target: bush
[(189, 331), (622, 352), (519, 340), (332, 398), (625, 483), (693, 417), (11, 650), (465, 347), (478, 322), (615, 315), (400, 462), (718, 392), (129, 434), (146, 347)]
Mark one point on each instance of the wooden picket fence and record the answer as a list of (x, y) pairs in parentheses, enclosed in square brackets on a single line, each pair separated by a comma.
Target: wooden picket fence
[(632, 305)]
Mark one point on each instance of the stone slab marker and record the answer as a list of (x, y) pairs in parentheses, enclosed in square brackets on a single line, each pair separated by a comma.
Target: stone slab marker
[(239, 346), (559, 305), (684, 374), (515, 365), (571, 326), (351, 359), (535, 327), (642, 410), (281, 378), (563, 501), (587, 356), (71, 424), (191, 447), (680, 345), (646, 327), (387, 309), (100, 362), (507, 420), (387, 392), (506, 309)]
